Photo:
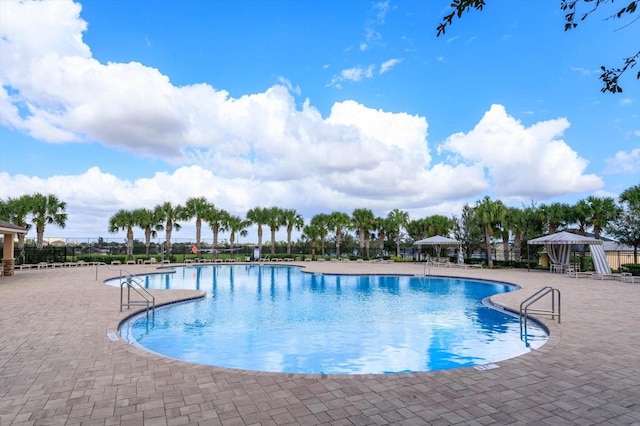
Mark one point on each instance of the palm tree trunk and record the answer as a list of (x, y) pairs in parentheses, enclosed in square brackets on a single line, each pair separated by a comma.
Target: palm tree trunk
[(168, 236), (40, 237), (517, 243), (367, 245), (487, 246), (198, 233), (130, 244), (147, 240), (21, 245), (273, 241)]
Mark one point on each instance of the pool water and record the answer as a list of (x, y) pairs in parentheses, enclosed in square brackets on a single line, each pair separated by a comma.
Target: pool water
[(279, 319)]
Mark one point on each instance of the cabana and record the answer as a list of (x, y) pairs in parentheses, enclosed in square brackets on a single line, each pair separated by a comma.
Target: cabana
[(558, 247), (439, 240), (9, 231)]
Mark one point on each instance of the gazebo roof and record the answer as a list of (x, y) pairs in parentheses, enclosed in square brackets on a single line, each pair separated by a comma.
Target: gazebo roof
[(437, 240), (564, 237), (10, 228)]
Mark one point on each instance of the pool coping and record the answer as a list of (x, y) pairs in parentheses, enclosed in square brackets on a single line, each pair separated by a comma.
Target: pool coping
[(485, 301)]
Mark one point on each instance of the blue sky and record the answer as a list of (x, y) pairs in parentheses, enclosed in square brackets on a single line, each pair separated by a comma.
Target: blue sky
[(318, 106)]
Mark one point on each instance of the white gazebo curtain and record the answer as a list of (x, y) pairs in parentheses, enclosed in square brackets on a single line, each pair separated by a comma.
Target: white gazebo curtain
[(559, 253), (558, 247), (599, 259)]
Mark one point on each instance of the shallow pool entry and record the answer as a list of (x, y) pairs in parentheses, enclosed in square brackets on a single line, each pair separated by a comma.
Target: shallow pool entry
[(279, 319)]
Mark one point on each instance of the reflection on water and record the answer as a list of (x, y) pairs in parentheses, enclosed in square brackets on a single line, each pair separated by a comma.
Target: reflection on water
[(282, 320)]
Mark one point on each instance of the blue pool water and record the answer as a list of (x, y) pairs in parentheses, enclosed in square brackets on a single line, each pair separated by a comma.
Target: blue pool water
[(279, 319)]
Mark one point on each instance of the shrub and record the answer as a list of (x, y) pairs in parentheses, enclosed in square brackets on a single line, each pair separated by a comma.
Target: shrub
[(633, 268)]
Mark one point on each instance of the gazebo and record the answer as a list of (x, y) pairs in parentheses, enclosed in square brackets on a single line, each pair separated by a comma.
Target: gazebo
[(439, 240), (558, 247), (9, 231)]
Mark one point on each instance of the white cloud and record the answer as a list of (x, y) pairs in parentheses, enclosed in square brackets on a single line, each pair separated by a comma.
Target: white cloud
[(523, 162), (626, 101), (354, 75), (259, 149), (452, 39), (624, 162), (583, 71), (378, 14), (357, 73), (387, 65), (360, 73), (293, 89)]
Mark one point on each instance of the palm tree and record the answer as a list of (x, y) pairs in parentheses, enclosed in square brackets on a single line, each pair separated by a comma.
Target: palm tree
[(199, 208), (16, 211), (398, 220), (169, 215), (312, 234), (236, 226), (149, 222), (292, 220), (579, 214), (603, 210), (439, 225), (430, 226), (321, 221), (124, 220), (383, 226), (631, 196), (337, 222), (557, 216), (490, 213), (258, 216), (626, 227), (47, 210), (518, 225), (274, 221), (217, 219), (363, 220)]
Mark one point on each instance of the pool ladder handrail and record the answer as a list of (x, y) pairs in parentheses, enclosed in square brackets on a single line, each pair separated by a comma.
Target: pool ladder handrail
[(132, 282), (526, 303)]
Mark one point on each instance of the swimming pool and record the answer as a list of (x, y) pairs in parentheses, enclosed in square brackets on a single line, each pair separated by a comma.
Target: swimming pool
[(280, 319)]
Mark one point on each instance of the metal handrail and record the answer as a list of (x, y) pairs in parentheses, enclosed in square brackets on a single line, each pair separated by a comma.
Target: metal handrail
[(132, 282), (526, 303)]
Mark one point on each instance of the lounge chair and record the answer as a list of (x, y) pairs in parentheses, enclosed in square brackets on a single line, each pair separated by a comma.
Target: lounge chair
[(627, 277), (602, 277), (577, 274)]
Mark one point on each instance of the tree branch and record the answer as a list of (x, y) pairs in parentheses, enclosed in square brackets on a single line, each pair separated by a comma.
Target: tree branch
[(459, 8), (610, 76)]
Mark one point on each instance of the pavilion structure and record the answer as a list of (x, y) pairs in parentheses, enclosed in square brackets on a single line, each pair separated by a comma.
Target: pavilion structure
[(9, 232)]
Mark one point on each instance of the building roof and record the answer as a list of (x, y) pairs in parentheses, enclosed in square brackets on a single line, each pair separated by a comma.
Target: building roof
[(10, 228), (564, 237)]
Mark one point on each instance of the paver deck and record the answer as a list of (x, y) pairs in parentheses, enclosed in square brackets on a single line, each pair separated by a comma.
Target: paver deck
[(59, 366)]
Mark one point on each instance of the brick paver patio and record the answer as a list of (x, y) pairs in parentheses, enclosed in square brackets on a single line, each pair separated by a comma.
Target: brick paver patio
[(59, 366)]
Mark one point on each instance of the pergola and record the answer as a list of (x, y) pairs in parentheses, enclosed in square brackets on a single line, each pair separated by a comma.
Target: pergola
[(9, 232), (439, 240), (559, 245)]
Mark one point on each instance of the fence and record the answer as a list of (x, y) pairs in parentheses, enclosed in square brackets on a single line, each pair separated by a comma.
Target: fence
[(71, 250), (617, 258)]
